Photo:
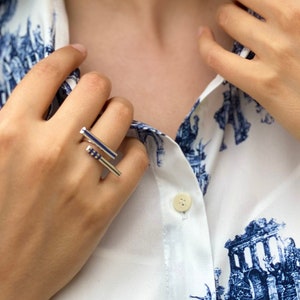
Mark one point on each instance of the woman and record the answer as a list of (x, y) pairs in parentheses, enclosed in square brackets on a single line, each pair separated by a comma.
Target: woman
[(208, 162)]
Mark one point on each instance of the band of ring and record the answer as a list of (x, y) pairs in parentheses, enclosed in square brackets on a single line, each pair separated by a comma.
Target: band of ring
[(97, 142), (95, 154)]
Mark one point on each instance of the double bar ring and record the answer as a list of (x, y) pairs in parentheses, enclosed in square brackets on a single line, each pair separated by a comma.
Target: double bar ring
[(98, 156)]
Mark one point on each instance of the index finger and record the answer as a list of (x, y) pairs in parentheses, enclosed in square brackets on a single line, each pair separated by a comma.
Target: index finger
[(36, 91)]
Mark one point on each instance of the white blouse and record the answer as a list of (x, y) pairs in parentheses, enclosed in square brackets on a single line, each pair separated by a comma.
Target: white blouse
[(216, 215)]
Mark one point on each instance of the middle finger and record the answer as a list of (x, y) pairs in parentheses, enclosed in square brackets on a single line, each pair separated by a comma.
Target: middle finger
[(82, 106)]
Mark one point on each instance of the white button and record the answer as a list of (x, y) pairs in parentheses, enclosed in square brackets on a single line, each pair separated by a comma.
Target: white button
[(182, 202)]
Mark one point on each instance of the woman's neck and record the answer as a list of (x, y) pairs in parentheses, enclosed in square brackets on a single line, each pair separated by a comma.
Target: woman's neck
[(149, 51), (155, 17)]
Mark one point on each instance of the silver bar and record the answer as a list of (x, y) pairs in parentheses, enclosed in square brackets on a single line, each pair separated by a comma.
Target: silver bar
[(95, 154), (97, 142)]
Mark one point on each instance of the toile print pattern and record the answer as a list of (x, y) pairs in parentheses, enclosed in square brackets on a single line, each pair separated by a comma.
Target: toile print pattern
[(264, 265), (145, 132), (231, 114), (194, 150), (18, 51)]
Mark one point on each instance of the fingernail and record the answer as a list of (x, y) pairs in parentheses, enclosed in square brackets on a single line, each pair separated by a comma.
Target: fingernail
[(79, 47)]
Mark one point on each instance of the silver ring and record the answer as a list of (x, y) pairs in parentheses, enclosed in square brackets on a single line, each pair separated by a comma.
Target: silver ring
[(95, 154), (97, 142), (92, 152)]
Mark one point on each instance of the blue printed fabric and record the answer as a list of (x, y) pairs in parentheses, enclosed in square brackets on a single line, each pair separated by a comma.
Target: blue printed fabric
[(238, 240)]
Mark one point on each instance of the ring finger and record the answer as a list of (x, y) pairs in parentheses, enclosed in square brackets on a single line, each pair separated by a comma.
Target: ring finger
[(243, 27), (111, 128)]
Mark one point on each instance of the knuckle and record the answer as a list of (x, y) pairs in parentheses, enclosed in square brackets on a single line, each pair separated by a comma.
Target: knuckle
[(96, 82), (9, 136), (286, 15), (123, 108), (72, 187), (48, 157), (281, 48), (269, 82), (282, 54), (96, 221), (96, 216)]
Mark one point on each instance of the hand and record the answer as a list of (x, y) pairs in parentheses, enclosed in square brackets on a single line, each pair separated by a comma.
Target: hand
[(54, 208), (273, 76)]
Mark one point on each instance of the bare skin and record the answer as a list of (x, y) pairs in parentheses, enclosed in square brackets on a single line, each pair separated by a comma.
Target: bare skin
[(51, 192), (149, 51), (274, 72), (39, 238)]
